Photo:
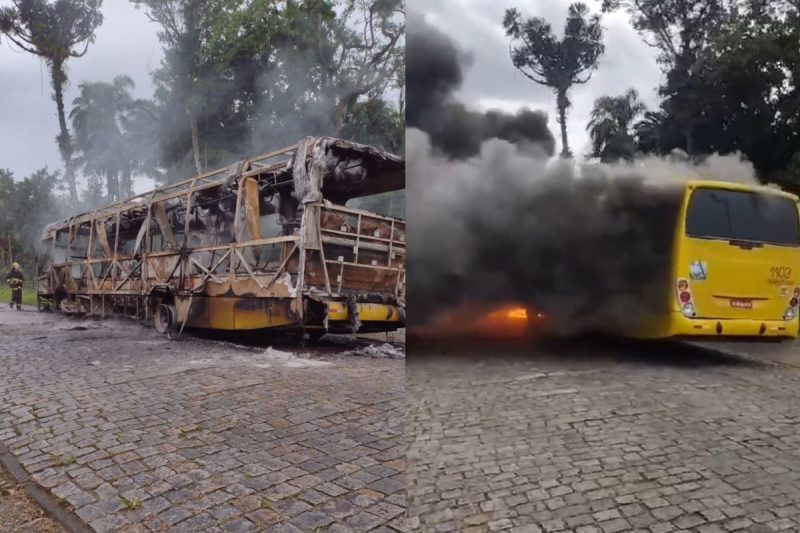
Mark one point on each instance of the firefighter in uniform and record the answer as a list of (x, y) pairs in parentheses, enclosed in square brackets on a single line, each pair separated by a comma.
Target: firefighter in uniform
[(14, 278)]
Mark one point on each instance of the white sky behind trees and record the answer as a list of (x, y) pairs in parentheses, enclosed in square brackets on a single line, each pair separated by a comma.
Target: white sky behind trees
[(493, 82), (126, 43)]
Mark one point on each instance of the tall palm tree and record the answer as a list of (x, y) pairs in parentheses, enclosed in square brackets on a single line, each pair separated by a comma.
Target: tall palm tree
[(559, 64), (649, 132), (114, 133), (54, 31), (610, 126)]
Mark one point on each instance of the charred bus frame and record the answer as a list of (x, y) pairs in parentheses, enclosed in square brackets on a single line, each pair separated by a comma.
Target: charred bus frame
[(263, 244)]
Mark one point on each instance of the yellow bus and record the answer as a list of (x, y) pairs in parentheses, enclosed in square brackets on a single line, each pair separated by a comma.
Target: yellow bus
[(735, 262)]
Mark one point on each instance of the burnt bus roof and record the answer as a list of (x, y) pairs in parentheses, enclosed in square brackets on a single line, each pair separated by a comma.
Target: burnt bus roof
[(353, 170)]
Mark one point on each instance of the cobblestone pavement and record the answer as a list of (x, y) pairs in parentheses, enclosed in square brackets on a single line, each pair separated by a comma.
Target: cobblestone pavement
[(138, 433), (599, 438)]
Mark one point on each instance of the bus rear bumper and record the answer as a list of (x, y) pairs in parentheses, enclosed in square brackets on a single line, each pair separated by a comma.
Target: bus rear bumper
[(373, 317), (367, 312), (682, 326)]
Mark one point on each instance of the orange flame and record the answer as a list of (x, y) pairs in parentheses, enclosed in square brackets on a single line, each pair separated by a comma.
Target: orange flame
[(511, 321), (506, 322), (519, 313)]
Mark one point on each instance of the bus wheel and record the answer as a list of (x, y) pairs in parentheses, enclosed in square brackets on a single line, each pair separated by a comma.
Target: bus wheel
[(164, 318), (314, 335)]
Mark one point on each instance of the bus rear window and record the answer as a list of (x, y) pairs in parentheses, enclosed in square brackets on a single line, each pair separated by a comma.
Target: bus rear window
[(743, 216)]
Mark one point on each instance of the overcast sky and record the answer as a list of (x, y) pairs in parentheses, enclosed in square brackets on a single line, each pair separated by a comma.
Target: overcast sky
[(493, 82), (126, 44)]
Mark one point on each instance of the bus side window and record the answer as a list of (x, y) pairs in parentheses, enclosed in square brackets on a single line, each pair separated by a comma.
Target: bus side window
[(167, 225), (129, 226), (269, 226), (390, 204), (269, 220), (80, 243), (44, 256), (60, 251), (156, 240), (98, 249), (77, 249), (210, 225)]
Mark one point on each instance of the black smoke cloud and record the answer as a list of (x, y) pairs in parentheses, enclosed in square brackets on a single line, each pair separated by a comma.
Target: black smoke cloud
[(491, 223), (434, 72), (589, 244)]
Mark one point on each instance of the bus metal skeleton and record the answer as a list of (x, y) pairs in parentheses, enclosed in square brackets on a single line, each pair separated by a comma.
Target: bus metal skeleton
[(266, 243)]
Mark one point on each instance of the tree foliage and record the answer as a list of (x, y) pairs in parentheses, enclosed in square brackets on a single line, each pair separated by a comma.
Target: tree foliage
[(54, 31), (678, 29), (243, 77), (25, 207), (112, 132), (731, 80), (611, 126), (238, 78), (556, 63)]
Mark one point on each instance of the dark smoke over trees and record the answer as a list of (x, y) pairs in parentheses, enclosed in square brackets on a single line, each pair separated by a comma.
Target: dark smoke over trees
[(557, 63), (490, 225), (587, 244), (434, 72)]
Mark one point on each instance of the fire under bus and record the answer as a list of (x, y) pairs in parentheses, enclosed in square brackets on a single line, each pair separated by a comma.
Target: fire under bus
[(265, 244)]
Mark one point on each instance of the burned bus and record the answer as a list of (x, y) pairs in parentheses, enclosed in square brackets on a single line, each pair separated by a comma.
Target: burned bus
[(268, 243)]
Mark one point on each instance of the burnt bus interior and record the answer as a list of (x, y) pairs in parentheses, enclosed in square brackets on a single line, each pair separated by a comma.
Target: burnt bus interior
[(265, 243)]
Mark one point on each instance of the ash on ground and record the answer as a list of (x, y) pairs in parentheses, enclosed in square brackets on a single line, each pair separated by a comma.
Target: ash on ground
[(384, 350)]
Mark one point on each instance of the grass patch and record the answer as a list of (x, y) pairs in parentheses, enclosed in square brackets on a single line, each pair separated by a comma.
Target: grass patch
[(28, 295), (62, 460), (132, 504)]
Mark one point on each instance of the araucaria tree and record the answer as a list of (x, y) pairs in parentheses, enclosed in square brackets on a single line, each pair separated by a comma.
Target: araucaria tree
[(556, 63), (54, 31)]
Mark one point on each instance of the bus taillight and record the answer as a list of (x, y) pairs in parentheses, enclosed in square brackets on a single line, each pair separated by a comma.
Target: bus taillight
[(685, 298), (791, 312)]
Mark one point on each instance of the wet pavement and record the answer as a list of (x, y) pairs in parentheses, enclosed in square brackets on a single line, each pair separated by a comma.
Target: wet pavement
[(594, 436), (134, 432)]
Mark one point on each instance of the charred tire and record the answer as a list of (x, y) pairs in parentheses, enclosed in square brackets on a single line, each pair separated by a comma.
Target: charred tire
[(314, 335), (164, 318)]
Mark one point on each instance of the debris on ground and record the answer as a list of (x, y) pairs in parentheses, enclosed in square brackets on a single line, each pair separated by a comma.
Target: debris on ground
[(289, 359), (269, 358), (384, 350), (19, 513)]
